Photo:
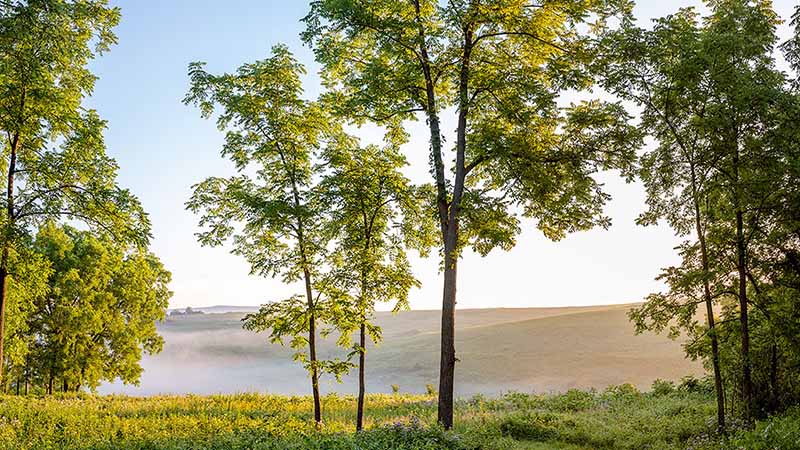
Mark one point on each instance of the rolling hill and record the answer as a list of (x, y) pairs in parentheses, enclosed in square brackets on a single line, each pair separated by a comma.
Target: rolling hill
[(529, 349)]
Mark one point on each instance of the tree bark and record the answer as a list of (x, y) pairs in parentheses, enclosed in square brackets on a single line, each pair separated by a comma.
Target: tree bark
[(361, 382), (773, 378), (312, 348), (12, 165), (741, 267), (712, 331)]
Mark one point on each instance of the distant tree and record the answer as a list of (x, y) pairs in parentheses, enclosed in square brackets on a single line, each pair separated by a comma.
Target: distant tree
[(100, 310), (54, 160), (376, 215), (663, 71), (273, 137), (500, 67)]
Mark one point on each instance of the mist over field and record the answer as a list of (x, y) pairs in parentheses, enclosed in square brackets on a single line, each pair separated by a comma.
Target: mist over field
[(527, 349)]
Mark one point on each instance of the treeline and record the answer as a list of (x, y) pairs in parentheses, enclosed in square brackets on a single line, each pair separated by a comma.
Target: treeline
[(79, 292), (311, 204), (725, 173)]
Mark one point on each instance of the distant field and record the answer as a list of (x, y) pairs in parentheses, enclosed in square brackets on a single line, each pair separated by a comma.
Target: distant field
[(527, 350)]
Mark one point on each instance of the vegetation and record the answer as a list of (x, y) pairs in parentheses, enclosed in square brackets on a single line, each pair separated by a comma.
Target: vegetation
[(375, 214), (80, 293), (620, 417), (54, 164), (97, 315), (499, 66), (272, 131), (722, 172)]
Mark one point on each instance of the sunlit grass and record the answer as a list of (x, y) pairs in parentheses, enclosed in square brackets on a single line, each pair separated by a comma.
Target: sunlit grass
[(618, 418)]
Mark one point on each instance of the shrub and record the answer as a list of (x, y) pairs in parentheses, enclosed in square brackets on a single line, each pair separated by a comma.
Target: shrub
[(662, 387), (530, 426), (572, 401), (693, 384), (430, 390)]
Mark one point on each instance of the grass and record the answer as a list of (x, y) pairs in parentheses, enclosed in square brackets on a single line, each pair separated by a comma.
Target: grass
[(617, 418)]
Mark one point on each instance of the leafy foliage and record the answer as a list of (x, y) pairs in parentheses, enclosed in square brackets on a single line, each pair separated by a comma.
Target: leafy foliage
[(98, 313)]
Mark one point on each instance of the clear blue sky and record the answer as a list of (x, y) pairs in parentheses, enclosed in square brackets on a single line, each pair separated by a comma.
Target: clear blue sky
[(164, 147)]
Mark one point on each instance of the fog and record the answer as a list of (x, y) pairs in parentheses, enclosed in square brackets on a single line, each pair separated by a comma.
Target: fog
[(529, 350)]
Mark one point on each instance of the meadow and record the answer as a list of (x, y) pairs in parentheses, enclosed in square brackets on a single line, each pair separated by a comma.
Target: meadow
[(620, 417)]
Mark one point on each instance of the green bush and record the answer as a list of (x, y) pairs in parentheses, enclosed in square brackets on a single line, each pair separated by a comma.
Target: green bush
[(662, 387), (530, 426)]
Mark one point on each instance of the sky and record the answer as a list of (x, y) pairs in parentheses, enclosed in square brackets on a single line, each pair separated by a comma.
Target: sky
[(164, 147)]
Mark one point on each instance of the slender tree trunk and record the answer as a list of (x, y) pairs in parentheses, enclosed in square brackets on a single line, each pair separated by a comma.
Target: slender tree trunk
[(773, 377), (741, 267), (712, 331), (312, 326), (362, 341), (12, 165), (312, 348)]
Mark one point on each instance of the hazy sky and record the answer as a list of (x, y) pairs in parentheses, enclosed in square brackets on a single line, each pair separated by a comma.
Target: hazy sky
[(164, 147)]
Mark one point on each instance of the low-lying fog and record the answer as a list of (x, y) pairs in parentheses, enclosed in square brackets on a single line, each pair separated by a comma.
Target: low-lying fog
[(542, 350)]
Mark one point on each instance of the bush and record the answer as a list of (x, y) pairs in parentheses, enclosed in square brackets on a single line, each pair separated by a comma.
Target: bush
[(695, 385), (530, 426), (430, 390), (572, 401), (661, 387)]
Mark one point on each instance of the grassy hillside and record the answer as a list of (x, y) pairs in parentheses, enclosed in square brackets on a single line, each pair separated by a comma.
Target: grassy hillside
[(528, 349), (618, 418)]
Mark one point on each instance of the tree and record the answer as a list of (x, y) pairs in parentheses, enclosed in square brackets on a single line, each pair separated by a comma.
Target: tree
[(273, 137), (663, 72), (724, 160), (25, 287), (99, 312), (54, 162), (791, 48), (499, 66), (376, 215)]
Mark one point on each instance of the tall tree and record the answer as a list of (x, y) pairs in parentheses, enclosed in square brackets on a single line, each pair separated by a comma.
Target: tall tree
[(376, 215), (722, 113), (54, 161), (662, 70), (100, 310), (738, 40), (273, 137), (499, 66)]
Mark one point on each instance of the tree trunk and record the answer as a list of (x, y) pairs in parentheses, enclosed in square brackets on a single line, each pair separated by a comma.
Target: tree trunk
[(741, 268), (448, 349), (712, 331), (747, 382), (312, 348), (361, 388), (773, 378), (12, 165)]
